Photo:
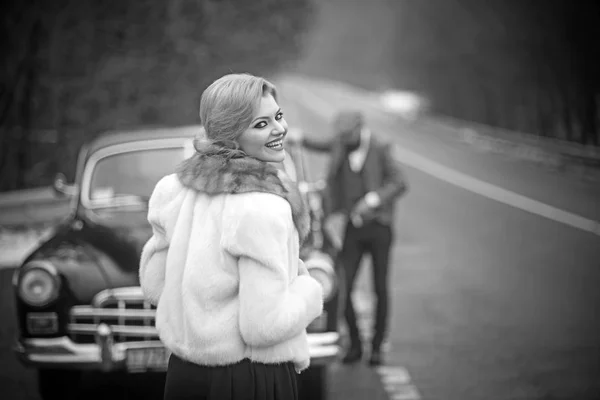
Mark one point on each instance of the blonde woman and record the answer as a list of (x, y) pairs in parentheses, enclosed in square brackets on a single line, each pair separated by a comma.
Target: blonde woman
[(233, 298)]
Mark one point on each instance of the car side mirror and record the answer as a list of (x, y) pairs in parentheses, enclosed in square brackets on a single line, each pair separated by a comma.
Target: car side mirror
[(62, 188)]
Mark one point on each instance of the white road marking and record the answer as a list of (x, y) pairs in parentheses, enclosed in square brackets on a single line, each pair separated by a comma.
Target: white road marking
[(326, 109), (395, 380), (394, 375), (408, 393), (496, 193), (397, 383)]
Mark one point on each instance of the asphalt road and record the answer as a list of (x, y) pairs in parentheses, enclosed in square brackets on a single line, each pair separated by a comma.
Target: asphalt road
[(492, 302), (489, 301)]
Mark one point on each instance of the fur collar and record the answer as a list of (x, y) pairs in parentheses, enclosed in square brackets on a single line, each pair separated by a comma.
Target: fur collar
[(217, 174)]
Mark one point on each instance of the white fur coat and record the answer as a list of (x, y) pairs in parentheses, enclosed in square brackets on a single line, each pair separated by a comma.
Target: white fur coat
[(223, 264)]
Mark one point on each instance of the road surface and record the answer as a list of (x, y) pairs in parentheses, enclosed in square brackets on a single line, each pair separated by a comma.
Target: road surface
[(490, 301)]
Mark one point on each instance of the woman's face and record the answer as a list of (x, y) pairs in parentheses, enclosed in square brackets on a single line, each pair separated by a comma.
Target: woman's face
[(264, 137)]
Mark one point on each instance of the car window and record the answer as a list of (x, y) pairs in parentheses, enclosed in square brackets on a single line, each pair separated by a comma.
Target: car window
[(132, 173)]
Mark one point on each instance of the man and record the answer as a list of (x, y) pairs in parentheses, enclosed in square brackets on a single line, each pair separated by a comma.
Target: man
[(363, 183)]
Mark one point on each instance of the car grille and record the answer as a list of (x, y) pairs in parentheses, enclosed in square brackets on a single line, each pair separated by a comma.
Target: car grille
[(125, 310)]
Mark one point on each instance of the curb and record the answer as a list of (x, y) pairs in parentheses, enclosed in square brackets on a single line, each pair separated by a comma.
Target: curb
[(37, 208), (14, 198)]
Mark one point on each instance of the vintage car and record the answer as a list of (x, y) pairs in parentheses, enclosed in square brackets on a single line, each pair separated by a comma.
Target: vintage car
[(78, 301)]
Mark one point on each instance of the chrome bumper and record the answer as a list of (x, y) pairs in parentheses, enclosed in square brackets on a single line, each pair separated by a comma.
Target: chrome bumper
[(106, 355)]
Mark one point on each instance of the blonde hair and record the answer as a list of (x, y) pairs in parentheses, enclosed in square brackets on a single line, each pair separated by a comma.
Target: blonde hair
[(227, 107)]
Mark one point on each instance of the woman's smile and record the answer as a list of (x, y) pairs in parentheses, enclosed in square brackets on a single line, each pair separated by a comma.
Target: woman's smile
[(276, 144)]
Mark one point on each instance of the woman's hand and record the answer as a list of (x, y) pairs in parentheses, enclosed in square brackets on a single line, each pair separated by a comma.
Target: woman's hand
[(302, 270)]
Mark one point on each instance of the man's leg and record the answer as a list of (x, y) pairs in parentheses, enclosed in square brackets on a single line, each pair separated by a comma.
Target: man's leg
[(350, 256), (379, 247)]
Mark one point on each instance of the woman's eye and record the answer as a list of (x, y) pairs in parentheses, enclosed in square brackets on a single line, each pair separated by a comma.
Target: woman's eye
[(279, 116), (260, 125)]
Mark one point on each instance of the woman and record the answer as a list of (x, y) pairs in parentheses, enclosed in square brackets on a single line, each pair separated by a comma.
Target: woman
[(233, 298)]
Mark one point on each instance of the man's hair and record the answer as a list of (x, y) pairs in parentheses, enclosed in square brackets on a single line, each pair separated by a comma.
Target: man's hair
[(228, 105), (348, 120)]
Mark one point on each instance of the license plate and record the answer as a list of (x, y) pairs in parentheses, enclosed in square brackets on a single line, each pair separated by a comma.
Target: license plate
[(147, 359)]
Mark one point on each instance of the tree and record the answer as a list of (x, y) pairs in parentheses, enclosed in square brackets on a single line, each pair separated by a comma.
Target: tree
[(513, 64), (21, 30), (81, 67)]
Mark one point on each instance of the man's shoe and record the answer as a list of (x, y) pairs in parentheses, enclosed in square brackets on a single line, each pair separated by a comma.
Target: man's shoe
[(376, 358), (353, 355)]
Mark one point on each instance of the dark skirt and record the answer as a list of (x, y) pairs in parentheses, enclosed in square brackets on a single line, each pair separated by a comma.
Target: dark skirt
[(245, 380)]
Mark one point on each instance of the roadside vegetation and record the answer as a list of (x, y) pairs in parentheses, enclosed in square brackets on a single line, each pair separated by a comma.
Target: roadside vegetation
[(74, 68)]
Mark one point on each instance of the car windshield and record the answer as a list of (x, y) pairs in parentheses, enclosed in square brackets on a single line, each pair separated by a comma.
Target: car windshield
[(129, 178)]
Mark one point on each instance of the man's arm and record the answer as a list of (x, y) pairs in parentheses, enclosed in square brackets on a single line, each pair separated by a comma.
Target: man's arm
[(395, 184), (322, 146)]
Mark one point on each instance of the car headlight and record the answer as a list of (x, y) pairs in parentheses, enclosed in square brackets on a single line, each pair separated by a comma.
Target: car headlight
[(320, 267), (38, 283)]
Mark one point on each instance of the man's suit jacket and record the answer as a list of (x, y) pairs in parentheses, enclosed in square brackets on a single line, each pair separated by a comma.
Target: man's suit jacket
[(381, 172)]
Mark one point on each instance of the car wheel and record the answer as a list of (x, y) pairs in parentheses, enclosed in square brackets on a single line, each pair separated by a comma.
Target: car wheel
[(56, 384), (312, 384)]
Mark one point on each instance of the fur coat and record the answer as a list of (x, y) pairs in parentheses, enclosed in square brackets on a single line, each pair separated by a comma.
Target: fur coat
[(223, 263)]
